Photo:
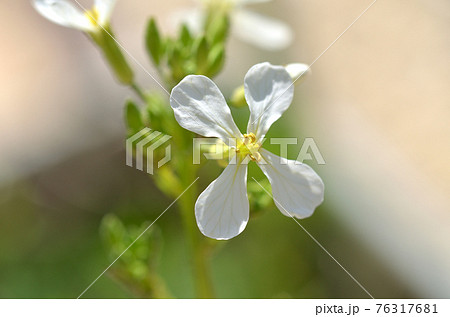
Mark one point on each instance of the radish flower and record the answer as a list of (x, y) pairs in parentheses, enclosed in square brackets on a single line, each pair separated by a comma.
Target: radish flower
[(65, 13), (222, 209)]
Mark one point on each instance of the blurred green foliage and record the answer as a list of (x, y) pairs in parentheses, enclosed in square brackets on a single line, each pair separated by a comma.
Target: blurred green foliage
[(50, 247)]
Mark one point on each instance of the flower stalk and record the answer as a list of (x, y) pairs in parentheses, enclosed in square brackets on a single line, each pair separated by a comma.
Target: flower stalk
[(199, 250), (198, 247), (104, 38)]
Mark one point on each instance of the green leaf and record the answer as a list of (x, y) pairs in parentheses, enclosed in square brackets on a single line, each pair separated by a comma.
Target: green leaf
[(133, 117), (185, 36), (153, 42), (175, 62), (218, 30), (201, 50), (216, 60)]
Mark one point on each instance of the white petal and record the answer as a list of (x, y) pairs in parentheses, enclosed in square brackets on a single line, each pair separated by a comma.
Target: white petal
[(200, 107), (297, 190), (269, 92), (104, 9), (298, 71), (262, 31), (222, 209), (63, 13), (193, 18)]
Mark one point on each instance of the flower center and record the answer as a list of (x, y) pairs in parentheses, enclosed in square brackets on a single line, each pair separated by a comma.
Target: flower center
[(93, 16), (249, 146)]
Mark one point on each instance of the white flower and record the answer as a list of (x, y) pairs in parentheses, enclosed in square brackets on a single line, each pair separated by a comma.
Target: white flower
[(222, 210), (65, 13), (251, 27)]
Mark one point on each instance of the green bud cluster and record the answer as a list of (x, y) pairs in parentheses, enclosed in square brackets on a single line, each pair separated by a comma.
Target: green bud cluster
[(176, 57), (187, 53), (135, 268)]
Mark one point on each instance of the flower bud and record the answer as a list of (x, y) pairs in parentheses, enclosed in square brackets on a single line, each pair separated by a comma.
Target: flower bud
[(238, 98), (298, 72)]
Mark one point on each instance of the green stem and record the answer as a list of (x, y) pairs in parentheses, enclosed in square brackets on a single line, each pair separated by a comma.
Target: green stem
[(138, 91), (197, 244)]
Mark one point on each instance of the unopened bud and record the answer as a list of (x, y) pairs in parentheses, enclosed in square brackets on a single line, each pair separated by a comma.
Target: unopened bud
[(298, 72), (238, 98)]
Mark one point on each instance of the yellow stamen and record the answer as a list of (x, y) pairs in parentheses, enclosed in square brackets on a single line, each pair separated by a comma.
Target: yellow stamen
[(256, 157), (93, 16), (249, 146), (249, 138)]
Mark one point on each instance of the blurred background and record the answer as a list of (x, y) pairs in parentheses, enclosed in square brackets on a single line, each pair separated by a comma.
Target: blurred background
[(377, 105)]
